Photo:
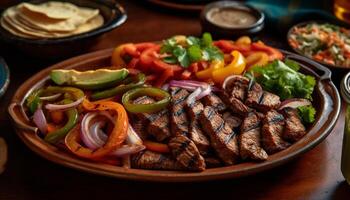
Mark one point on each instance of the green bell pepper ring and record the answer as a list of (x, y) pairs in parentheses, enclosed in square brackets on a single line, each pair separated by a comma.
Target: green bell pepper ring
[(59, 134), (33, 101), (146, 108), (70, 92), (128, 84)]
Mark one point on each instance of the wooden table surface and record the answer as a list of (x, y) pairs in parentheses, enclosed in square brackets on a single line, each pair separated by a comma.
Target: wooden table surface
[(314, 175)]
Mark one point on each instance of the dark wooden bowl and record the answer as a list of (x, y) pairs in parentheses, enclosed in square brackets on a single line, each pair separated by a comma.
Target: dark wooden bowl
[(54, 48), (326, 98)]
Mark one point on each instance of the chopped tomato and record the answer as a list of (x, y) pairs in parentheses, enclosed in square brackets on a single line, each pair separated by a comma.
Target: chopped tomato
[(148, 56), (186, 75), (272, 52), (193, 67), (167, 74), (151, 77), (159, 65), (144, 45), (228, 46)]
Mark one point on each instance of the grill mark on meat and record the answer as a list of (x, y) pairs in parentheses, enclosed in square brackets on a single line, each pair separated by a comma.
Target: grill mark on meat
[(195, 131), (272, 130), (260, 99), (211, 121), (250, 139), (231, 120), (238, 107), (186, 153), (179, 121), (214, 101), (157, 123), (152, 160), (230, 137), (220, 127), (294, 129)]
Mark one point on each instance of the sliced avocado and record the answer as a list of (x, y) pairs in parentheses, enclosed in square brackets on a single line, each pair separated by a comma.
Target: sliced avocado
[(92, 79)]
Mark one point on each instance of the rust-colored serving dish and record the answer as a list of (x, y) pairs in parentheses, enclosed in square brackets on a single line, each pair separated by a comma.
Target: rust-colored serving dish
[(326, 101)]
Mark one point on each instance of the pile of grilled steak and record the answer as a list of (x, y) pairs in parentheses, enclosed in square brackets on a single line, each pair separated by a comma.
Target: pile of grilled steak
[(241, 123)]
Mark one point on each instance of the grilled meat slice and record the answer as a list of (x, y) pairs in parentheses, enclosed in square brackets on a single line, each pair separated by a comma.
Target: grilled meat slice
[(272, 129), (179, 121), (152, 160), (231, 120), (159, 128), (212, 162), (195, 131), (237, 87), (260, 99), (139, 127), (158, 123), (223, 138), (214, 101), (238, 107), (186, 153), (294, 129), (250, 139)]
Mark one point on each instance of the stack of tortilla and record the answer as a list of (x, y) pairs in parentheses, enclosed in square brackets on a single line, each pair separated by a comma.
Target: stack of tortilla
[(50, 20)]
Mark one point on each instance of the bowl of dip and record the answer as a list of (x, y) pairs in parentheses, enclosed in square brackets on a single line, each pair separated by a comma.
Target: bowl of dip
[(229, 18)]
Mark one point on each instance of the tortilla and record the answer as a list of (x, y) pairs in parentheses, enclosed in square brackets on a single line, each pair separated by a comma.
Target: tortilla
[(14, 25), (37, 21), (52, 9)]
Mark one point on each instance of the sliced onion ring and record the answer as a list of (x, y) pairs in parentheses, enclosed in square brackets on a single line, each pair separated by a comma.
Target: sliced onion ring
[(40, 120), (199, 93), (128, 150), (51, 98), (65, 106)]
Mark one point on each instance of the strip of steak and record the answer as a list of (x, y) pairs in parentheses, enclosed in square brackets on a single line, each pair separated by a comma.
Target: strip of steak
[(238, 107), (186, 153), (152, 160), (250, 139), (294, 129), (223, 138), (272, 129), (212, 162), (214, 101), (195, 131), (231, 120), (237, 87), (261, 100), (158, 123), (178, 118)]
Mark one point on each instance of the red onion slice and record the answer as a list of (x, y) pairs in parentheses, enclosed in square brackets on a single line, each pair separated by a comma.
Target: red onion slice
[(128, 150), (65, 106), (97, 134), (294, 103), (205, 91), (133, 137), (51, 98), (85, 133), (40, 120)]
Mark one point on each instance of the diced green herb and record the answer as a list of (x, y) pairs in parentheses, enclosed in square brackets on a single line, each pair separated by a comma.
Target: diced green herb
[(284, 80), (307, 114), (195, 53), (194, 50)]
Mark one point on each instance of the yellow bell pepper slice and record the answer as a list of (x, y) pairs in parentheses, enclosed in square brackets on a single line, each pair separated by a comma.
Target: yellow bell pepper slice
[(207, 73), (244, 40), (257, 59), (117, 59), (236, 66)]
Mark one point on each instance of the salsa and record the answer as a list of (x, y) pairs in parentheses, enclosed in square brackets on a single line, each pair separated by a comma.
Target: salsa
[(231, 17)]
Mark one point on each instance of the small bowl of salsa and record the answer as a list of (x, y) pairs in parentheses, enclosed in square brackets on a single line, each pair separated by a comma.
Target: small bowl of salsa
[(229, 18)]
